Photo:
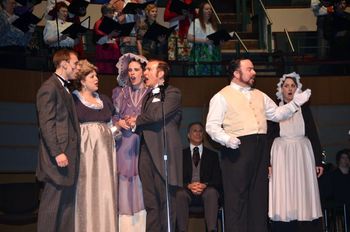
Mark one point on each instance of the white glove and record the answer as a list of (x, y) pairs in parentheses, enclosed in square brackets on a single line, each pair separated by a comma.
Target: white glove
[(233, 143), (301, 97)]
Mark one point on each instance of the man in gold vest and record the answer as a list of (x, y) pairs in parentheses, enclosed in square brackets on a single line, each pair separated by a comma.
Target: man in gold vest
[(237, 120)]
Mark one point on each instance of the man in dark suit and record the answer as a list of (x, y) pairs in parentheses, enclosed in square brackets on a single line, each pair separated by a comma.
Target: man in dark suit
[(202, 180), (59, 146), (162, 100)]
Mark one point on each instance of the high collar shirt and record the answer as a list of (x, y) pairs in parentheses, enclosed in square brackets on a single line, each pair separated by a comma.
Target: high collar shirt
[(218, 108)]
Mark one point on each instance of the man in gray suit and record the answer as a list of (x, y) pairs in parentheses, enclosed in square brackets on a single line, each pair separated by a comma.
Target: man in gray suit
[(59, 146), (162, 99)]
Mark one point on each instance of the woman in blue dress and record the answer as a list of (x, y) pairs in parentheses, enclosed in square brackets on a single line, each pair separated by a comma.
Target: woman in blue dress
[(127, 100)]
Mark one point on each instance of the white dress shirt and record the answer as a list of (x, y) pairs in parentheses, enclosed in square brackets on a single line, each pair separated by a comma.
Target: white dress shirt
[(200, 149), (199, 33), (50, 33), (62, 83), (218, 107), (318, 8)]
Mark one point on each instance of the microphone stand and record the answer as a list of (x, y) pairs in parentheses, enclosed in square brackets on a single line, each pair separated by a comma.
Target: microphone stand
[(216, 15), (194, 43), (165, 158), (217, 18), (58, 32)]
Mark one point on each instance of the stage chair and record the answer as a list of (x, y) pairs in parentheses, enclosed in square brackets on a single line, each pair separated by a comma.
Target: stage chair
[(19, 203), (198, 212)]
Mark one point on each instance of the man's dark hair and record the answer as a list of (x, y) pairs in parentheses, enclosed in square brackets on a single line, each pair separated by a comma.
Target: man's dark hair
[(233, 66), (62, 55), (192, 124), (163, 66), (340, 153)]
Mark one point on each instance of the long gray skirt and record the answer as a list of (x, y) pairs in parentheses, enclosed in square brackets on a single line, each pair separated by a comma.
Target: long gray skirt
[(96, 198)]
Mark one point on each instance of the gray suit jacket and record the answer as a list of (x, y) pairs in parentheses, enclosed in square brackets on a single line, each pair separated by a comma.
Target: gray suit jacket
[(150, 124), (59, 132)]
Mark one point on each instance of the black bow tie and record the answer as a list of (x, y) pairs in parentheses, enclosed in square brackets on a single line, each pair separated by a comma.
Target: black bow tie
[(65, 82)]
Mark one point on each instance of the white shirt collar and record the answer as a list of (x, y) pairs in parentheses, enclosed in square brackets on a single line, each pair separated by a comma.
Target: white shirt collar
[(155, 90), (62, 83), (240, 88)]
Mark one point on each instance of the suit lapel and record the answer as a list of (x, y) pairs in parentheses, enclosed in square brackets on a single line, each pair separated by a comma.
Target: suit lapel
[(203, 163), (148, 100), (68, 100), (187, 163)]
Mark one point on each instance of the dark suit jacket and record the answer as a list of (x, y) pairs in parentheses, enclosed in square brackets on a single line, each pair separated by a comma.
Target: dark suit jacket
[(59, 132), (209, 173), (150, 124)]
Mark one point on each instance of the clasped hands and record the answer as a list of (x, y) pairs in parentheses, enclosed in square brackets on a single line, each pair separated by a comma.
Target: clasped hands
[(196, 188), (128, 122)]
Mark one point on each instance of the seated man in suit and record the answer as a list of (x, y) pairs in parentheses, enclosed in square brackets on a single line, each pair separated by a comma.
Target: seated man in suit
[(201, 178)]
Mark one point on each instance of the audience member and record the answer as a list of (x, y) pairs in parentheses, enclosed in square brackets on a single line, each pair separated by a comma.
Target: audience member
[(127, 44), (13, 41), (340, 180), (320, 11), (337, 31), (201, 179), (54, 38), (12, 38), (96, 196), (296, 155), (127, 101), (151, 49), (237, 120), (203, 49), (107, 49), (178, 46), (50, 5)]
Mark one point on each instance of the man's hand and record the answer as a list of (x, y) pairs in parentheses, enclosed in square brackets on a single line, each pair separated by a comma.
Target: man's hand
[(270, 171), (319, 171), (233, 143), (301, 97), (131, 121), (197, 188), (122, 123), (62, 160)]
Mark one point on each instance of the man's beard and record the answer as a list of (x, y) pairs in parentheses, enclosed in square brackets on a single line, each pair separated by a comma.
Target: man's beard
[(249, 82)]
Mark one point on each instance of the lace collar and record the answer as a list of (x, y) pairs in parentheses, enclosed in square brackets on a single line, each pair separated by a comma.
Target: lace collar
[(97, 106)]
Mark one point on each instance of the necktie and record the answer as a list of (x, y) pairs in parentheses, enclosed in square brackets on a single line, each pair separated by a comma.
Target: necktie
[(196, 156)]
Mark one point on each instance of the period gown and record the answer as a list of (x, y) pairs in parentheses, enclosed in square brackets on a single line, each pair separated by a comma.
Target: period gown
[(96, 197), (293, 187), (132, 214)]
